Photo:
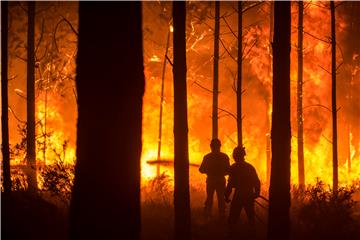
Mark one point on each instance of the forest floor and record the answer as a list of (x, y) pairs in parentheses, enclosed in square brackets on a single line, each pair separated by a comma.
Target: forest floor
[(157, 225), (27, 216), (31, 217)]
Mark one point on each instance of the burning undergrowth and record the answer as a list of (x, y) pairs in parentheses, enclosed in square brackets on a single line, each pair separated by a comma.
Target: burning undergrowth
[(320, 213)]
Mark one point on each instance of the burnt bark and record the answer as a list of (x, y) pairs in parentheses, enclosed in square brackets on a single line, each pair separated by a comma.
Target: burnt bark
[(30, 100), (110, 82), (4, 99), (300, 138), (333, 97), (216, 72), (279, 192), (181, 161), (239, 78)]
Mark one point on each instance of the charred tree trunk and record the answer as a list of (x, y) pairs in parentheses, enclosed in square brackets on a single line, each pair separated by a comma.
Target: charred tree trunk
[(181, 161), (30, 93), (4, 99), (279, 192), (333, 97), (216, 72), (110, 82), (301, 170), (239, 77)]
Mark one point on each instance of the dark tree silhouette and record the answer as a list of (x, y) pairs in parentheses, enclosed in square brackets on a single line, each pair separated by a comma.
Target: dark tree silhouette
[(110, 82), (30, 100), (239, 78), (162, 98), (181, 161), (4, 98), (279, 192), (216, 72), (333, 97), (300, 138)]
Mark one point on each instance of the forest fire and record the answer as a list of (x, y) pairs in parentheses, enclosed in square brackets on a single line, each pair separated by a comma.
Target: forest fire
[(58, 134), (257, 95), (124, 119), (53, 136)]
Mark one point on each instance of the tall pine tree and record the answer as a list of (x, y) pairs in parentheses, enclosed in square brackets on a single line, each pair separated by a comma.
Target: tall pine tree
[(4, 98), (215, 130), (239, 78), (105, 201), (333, 97), (181, 161), (279, 192), (30, 100), (300, 124)]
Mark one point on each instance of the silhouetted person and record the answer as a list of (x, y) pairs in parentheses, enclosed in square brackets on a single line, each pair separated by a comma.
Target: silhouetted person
[(216, 166), (244, 179)]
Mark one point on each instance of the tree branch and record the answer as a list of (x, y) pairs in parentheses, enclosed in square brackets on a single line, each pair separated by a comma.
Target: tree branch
[(41, 35), (248, 52), (232, 140), (324, 69), (311, 35), (327, 139), (318, 105), (16, 117), (339, 66), (206, 89), (69, 24), (222, 43), (24, 59), (229, 113), (227, 24), (167, 58)]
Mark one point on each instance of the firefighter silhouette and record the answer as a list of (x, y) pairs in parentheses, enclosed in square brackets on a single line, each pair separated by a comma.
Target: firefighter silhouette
[(244, 179), (216, 166)]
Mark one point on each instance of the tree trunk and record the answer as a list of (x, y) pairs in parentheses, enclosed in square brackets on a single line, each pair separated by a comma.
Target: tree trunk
[(239, 78), (161, 103), (30, 92), (110, 82), (4, 99), (181, 161), (216, 72), (333, 97), (279, 192), (301, 170)]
